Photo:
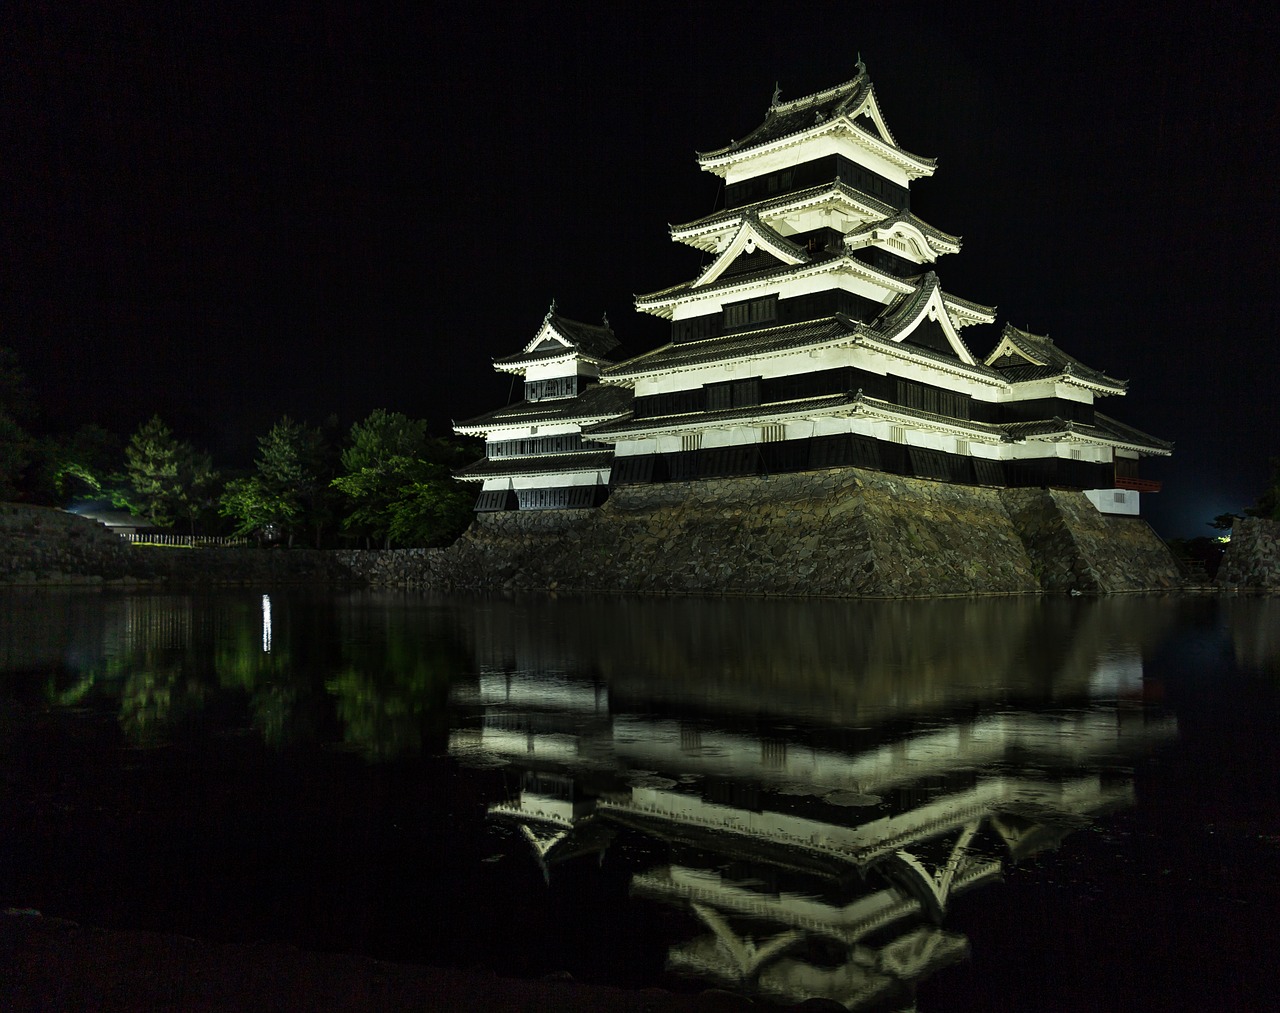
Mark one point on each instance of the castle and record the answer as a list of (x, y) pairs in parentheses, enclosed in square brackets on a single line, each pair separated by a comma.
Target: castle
[(818, 335)]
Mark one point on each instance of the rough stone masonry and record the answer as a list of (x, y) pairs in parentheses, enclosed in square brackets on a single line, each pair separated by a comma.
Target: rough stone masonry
[(842, 532)]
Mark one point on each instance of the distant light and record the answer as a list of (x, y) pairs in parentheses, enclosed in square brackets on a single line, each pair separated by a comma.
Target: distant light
[(266, 624)]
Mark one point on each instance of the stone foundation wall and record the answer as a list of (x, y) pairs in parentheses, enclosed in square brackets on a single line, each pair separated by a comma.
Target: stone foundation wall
[(39, 545), (841, 532), (1252, 559)]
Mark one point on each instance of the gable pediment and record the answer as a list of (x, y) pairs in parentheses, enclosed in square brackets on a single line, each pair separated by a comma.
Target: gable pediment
[(868, 115), (1014, 353), (934, 326), (750, 238), (900, 237), (548, 339)]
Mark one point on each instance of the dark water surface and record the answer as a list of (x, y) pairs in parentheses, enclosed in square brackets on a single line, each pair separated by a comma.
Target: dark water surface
[(967, 805)]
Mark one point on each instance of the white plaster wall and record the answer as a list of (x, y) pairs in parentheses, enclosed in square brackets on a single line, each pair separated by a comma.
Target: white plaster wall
[(524, 432), (559, 480), (1108, 501), (560, 367)]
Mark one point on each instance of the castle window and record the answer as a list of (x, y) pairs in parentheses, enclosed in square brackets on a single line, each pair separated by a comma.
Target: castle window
[(560, 386), (751, 313)]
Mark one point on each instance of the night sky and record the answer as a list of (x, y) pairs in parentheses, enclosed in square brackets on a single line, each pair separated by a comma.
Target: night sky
[(226, 216)]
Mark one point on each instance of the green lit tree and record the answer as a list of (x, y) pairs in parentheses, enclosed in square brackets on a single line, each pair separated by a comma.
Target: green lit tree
[(398, 483), (290, 490), (83, 465), (167, 477), (197, 489), (153, 459)]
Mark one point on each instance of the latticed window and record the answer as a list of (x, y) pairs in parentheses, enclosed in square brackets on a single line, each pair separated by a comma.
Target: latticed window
[(560, 386), (773, 433), (753, 311), (693, 442), (564, 443), (897, 434)]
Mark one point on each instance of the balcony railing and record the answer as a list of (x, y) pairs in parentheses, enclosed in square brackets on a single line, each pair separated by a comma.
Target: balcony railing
[(1135, 484)]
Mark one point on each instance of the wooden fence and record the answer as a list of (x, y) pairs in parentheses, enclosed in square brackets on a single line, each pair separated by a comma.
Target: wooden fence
[(183, 541)]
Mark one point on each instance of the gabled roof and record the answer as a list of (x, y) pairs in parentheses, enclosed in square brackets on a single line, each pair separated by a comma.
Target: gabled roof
[(662, 303), (848, 404), (766, 341), (753, 234), (1123, 433), (929, 302), (876, 212), (832, 191), (1103, 430), (595, 404), (906, 226), (834, 330), (626, 425), (850, 107), (559, 336), (1022, 356)]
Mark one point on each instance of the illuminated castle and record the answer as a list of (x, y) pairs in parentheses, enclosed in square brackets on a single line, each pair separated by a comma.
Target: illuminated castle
[(818, 335)]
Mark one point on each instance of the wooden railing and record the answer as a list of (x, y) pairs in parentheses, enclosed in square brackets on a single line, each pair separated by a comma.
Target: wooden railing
[(182, 541), (1135, 484)]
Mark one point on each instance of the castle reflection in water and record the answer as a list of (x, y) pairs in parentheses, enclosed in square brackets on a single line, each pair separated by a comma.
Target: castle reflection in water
[(799, 790), (821, 785)]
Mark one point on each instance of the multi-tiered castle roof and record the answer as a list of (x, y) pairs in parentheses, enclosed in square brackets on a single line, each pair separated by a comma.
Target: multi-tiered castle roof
[(819, 334)]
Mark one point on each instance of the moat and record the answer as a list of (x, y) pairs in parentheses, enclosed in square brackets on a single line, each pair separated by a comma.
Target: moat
[(1039, 802)]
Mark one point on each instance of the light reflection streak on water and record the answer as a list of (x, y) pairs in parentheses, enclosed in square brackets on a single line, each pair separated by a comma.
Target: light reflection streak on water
[(266, 624)]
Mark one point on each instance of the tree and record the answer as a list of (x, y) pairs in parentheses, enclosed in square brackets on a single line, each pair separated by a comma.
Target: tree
[(1268, 504), (167, 477), (248, 503), (197, 486), (296, 466), (84, 465), (291, 488), (397, 480), (152, 462)]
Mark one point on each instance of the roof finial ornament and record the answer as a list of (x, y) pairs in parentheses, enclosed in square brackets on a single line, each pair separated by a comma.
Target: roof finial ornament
[(777, 95), (551, 310), (862, 67), (604, 321)]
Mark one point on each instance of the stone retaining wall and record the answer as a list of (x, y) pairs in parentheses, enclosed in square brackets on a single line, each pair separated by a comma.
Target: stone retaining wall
[(39, 545), (1252, 558), (841, 532)]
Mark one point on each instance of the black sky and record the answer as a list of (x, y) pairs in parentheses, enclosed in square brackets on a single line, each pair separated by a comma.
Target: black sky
[(224, 216)]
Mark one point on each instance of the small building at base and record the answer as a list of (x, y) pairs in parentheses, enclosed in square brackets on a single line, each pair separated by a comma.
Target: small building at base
[(536, 457)]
